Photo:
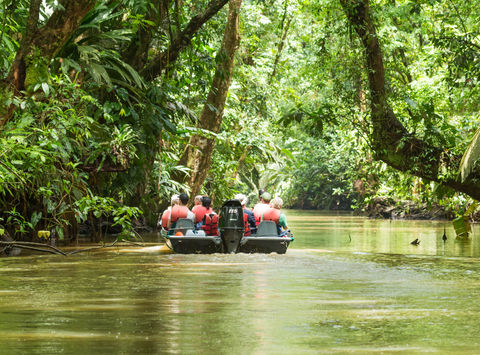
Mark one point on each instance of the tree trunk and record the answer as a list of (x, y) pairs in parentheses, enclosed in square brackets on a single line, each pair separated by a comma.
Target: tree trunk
[(198, 154), (284, 30), (137, 52), (39, 45), (240, 164), (391, 142)]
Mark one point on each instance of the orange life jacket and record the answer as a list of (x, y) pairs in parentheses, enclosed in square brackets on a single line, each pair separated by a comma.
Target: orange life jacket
[(258, 211), (247, 225), (271, 214), (200, 212), (178, 212), (165, 216), (210, 224)]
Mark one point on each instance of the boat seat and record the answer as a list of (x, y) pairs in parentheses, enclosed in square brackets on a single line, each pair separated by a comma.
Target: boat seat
[(184, 224), (267, 229)]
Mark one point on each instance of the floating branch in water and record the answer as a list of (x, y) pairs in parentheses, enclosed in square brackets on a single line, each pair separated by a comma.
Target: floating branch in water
[(92, 248), (34, 246), (45, 248)]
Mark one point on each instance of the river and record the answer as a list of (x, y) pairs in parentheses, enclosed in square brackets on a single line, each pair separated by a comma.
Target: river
[(347, 284)]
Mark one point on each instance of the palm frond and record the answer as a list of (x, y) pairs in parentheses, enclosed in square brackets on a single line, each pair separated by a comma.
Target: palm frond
[(471, 155)]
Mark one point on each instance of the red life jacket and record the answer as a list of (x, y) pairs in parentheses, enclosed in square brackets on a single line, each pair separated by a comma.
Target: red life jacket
[(258, 211), (210, 224), (178, 212), (271, 214), (200, 212), (247, 225), (165, 216)]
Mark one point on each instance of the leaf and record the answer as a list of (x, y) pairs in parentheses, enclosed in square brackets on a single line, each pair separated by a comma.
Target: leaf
[(36, 216), (98, 72), (212, 108), (462, 226), (46, 89), (471, 209), (470, 156), (61, 235)]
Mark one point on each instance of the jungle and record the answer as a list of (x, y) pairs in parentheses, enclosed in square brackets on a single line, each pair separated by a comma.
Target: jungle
[(107, 108)]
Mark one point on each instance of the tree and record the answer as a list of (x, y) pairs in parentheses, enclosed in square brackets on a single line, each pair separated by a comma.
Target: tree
[(391, 141), (77, 65), (40, 45), (198, 153)]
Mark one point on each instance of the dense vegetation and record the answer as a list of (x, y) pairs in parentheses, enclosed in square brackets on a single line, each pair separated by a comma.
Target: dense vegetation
[(107, 108)]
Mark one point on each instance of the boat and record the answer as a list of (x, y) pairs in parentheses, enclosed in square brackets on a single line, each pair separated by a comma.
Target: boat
[(266, 240), (184, 239)]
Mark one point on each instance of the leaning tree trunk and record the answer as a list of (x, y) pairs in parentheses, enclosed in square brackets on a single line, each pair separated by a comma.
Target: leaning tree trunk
[(391, 142), (198, 154), (140, 48), (39, 45)]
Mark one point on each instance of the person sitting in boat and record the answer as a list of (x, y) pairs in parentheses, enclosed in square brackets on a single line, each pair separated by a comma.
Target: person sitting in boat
[(262, 206), (260, 193), (201, 210), (179, 211), (163, 222), (209, 221), (248, 217), (273, 214), (197, 201)]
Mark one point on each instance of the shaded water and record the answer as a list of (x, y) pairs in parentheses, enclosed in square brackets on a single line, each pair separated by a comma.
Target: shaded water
[(347, 284)]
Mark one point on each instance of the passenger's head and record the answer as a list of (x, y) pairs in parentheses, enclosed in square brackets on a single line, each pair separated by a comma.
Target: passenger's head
[(183, 198), (198, 200), (260, 193), (175, 200), (206, 201), (242, 198), (266, 197), (277, 203)]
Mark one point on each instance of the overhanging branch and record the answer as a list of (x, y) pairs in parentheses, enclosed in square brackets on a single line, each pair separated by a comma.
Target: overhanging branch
[(181, 41), (391, 141)]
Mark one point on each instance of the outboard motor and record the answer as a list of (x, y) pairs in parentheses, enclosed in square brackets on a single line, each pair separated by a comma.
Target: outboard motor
[(231, 225)]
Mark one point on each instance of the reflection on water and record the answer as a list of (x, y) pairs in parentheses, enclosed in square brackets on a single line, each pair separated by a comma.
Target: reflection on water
[(345, 232), (347, 284)]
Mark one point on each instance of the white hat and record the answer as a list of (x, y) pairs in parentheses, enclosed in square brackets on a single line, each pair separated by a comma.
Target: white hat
[(242, 198), (175, 200)]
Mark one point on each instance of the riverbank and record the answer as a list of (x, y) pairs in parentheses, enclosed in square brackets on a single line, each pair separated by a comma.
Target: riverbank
[(388, 208)]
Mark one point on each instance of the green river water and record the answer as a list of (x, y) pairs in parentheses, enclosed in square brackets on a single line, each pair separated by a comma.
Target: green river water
[(346, 285)]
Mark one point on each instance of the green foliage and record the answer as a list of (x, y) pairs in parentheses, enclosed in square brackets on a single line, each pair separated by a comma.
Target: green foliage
[(470, 156), (96, 136), (462, 226), (44, 154), (97, 206), (324, 172), (93, 51), (36, 72), (8, 40)]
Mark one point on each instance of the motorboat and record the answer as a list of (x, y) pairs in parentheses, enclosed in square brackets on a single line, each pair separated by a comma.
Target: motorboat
[(184, 239)]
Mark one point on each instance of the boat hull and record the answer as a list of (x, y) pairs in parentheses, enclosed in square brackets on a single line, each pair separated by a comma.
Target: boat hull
[(195, 244), (214, 244), (266, 245)]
